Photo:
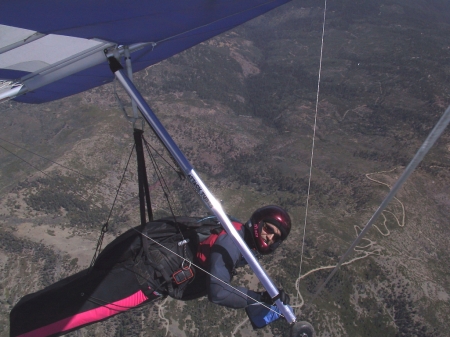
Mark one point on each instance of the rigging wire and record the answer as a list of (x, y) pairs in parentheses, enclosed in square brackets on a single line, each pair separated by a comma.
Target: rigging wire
[(36, 154), (313, 140), (52, 161), (48, 175), (15, 155), (423, 150)]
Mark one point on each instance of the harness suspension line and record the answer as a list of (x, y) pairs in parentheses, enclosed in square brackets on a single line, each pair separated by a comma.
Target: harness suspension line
[(423, 150), (106, 225), (313, 141), (164, 185), (166, 192), (148, 146), (144, 193)]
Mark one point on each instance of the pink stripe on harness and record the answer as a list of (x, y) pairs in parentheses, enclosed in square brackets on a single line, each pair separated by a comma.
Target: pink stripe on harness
[(89, 316)]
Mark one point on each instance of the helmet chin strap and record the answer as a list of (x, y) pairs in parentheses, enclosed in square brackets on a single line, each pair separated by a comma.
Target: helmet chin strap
[(249, 238), (250, 229)]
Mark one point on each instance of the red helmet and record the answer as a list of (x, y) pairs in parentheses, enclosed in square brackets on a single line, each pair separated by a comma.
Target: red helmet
[(274, 215)]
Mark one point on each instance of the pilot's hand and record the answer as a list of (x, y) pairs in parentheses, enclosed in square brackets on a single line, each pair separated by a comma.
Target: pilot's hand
[(284, 297)]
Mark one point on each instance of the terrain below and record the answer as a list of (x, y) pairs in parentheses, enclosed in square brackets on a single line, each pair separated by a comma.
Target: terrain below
[(242, 108)]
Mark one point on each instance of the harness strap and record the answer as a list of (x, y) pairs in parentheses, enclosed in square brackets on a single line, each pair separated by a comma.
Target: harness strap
[(144, 193)]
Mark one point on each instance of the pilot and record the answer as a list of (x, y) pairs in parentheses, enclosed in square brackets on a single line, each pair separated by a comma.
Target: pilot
[(120, 281)]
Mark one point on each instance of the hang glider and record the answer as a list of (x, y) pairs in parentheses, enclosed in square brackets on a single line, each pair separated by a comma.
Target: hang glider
[(50, 50)]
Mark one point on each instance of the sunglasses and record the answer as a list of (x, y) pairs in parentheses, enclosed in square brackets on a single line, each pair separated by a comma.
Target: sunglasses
[(271, 231)]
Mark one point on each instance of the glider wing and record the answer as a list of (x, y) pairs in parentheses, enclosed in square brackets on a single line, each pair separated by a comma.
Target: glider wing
[(51, 49)]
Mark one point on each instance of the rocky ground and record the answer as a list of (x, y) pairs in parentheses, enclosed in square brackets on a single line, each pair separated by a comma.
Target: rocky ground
[(242, 108)]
